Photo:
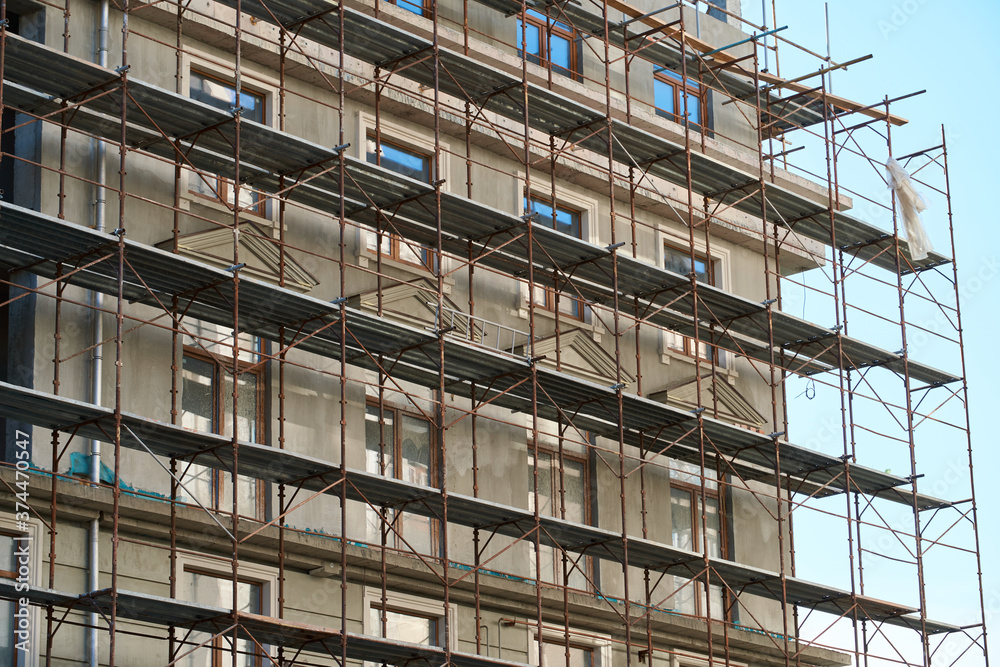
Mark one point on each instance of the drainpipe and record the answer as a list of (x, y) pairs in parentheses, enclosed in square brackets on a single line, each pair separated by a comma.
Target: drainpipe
[(97, 331)]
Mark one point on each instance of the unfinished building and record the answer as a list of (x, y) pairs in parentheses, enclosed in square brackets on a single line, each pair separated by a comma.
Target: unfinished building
[(469, 333)]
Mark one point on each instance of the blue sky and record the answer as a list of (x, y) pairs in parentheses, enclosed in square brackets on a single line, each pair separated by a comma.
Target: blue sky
[(943, 48)]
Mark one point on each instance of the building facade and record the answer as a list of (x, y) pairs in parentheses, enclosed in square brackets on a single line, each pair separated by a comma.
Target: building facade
[(445, 333)]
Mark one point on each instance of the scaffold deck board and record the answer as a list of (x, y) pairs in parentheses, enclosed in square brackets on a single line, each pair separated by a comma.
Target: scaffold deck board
[(665, 53), (285, 467), (265, 630), (726, 320), (157, 277), (375, 42)]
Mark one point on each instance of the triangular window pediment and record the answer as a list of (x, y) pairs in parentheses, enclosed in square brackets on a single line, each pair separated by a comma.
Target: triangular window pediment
[(258, 251), (732, 405)]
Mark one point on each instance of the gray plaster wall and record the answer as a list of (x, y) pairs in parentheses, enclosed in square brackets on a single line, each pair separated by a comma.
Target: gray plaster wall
[(312, 386)]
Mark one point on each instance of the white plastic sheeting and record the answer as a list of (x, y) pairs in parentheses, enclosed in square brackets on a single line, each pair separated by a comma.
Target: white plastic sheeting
[(910, 204)]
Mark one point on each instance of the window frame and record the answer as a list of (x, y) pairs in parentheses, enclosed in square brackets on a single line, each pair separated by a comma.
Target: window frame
[(714, 490), (714, 355), (679, 85), (222, 185), (265, 576), (220, 648), (425, 7), (411, 605), (547, 28), (221, 366), (599, 644), (430, 259), (570, 306), (586, 563), (395, 537), (31, 531)]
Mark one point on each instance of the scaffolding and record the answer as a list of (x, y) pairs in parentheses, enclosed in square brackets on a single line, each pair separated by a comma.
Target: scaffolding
[(115, 276)]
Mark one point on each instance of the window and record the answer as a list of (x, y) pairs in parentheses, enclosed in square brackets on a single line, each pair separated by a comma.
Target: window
[(207, 405), (403, 626), (686, 533), (548, 43), (401, 448), (585, 649), (565, 220), (216, 590), (560, 490), (679, 261), (414, 6), (670, 93), (554, 653), (222, 95), (418, 166), (9, 654), (408, 618)]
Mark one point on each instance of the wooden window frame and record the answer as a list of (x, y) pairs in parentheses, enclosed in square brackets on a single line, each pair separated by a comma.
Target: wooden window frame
[(677, 84), (689, 342), (397, 448), (220, 646), (696, 539), (547, 27), (576, 310), (219, 367), (587, 563), (396, 242), (425, 7), (224, 185)]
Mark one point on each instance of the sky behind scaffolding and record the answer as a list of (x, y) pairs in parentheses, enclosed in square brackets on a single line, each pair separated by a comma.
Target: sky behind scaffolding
[(943, 48)]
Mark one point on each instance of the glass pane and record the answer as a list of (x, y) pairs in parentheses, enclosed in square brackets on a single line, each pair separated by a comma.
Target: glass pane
[(199, 482), (415, 7), (400, 160), (679, 261), (415, 445), (561, 219), (691, 474), (531, 37), (559, 54), (663, 94), (415, 457), (405, 627), (693, 108), (7, 554), (379, 450), (223, 96), (7, 633), (576, 490), (545, 508), (681, 519), (555, 653), (570, 306), (253, 106), (541, 296), (198, 394), (247, 423), (204, 184), (249, 199), (217, 591)]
